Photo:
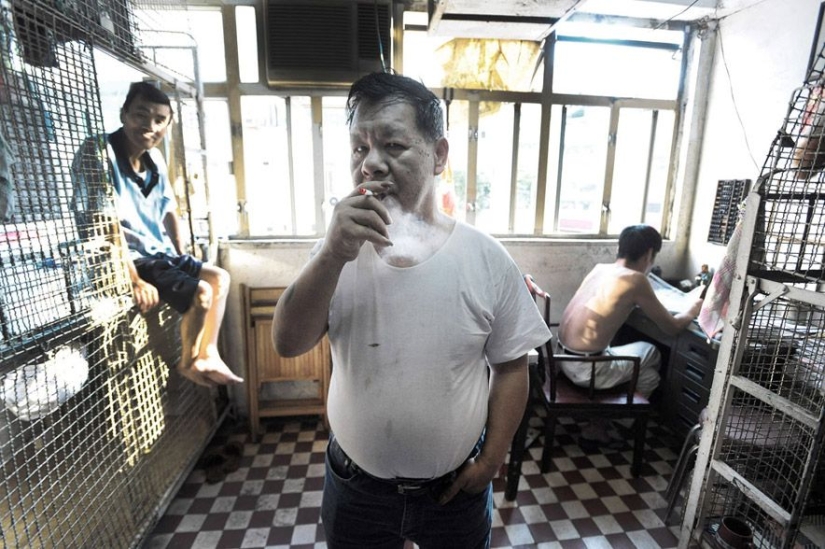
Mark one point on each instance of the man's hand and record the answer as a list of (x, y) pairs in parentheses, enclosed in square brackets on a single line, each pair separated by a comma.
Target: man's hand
[(145, 295), (359, 218), (473, 478)]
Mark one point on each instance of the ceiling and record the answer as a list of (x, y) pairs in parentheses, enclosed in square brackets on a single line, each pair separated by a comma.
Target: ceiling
[(530, 19)]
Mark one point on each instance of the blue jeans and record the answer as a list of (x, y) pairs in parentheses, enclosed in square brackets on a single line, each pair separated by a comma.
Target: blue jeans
[(359, 511)]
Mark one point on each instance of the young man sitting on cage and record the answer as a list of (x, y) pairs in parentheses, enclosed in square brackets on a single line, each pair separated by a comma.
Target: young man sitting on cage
[(150, 229)]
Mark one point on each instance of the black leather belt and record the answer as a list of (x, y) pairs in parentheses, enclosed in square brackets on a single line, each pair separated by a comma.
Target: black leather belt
[(406, 485)]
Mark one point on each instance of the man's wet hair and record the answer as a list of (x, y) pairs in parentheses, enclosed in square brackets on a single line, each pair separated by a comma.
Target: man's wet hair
[(148, 92), (386, 87), (636, 240)]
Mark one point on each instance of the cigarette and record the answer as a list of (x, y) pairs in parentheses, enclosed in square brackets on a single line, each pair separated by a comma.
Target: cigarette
[(366, 192)]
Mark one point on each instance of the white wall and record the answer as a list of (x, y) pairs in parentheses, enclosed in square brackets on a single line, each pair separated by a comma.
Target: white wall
[(558, 267), (766, 49)]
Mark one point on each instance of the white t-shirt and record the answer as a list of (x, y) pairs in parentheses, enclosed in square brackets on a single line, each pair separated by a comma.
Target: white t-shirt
[(411, 349)]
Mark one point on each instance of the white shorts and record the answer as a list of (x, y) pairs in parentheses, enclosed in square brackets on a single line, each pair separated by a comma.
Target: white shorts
[(610, 374)]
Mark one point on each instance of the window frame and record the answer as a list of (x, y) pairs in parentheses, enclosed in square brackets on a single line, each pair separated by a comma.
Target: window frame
[(546, 98)]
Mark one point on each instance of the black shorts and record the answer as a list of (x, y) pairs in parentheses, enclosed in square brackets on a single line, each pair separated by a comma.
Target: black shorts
[(175, 277)]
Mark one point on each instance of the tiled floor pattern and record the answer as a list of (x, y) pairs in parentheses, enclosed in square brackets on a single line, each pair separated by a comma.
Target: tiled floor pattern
[(273, 500)]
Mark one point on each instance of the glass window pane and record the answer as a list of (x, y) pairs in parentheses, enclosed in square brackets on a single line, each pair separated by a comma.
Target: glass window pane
[(551, 205), (266, 165), (222, 191), (617, 70), (247, 35), (452, 187), (582, 169), (631, 165), (528, 164), (302, 158), (337, 176), (659, 169), (630, 168), (207, 28), (495, 151)]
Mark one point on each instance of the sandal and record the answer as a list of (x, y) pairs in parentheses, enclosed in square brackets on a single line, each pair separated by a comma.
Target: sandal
[(218, 462), (213, 464), (232, 453)]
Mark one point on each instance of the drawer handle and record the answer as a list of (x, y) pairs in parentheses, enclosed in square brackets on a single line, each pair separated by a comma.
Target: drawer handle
[(687, 422), (692, 395), (699, 351), (694, 372)]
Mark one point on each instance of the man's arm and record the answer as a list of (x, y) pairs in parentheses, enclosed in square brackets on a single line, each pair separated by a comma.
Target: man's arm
[(144, 294), (171, 222), (509, 386), (651, 306), (300, 319)]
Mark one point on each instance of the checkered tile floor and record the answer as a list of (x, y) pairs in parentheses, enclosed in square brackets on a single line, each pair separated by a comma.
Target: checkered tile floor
[(273, 500)]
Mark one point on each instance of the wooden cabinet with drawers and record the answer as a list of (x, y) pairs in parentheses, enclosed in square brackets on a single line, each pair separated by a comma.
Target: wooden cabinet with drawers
[(688, 379), (688, 362)]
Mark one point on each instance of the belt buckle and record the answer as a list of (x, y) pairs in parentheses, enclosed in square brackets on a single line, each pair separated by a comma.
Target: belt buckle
[(405, 488)]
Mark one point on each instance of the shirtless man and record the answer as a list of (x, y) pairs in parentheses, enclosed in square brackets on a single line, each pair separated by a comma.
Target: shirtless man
[(601, 305)]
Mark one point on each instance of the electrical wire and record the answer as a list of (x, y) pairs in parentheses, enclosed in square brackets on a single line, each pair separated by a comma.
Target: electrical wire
[(733, 97), (666, 21), (743, 8), (380, 41)]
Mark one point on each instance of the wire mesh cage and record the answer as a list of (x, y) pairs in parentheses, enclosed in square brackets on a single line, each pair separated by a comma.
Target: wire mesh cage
[(729, 499), (790, 232), (767, 447), (784, 350), (770, 430), (95, 424)]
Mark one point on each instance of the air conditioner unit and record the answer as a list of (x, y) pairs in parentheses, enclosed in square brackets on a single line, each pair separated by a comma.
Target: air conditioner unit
[(326, 43)]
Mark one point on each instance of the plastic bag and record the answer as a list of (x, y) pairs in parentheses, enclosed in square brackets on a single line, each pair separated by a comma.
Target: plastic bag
[(34, 391)]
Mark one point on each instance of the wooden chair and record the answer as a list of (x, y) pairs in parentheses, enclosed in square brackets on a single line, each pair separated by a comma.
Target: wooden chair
[(559, 397), (266, 367)]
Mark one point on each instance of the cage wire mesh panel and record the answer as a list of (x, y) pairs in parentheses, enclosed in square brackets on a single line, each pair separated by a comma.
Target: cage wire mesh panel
[(766, 447), (96, 426), (769, 434), (728, 498), (785, 350), (790, 235), (165, 38)]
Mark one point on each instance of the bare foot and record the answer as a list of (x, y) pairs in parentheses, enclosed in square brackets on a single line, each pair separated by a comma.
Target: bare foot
[(209, 372)]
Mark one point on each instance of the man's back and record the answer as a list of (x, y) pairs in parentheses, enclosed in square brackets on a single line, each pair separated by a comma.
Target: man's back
[(600, 306)]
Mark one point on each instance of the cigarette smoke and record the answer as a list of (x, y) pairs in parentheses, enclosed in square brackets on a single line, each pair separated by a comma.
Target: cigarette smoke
[(413, 239)]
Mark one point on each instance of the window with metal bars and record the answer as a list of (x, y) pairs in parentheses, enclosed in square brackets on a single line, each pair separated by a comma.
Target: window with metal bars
[(587, 159)]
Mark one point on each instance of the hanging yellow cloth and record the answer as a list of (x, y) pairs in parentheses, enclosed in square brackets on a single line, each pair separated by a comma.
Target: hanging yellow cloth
[(485, 64)]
